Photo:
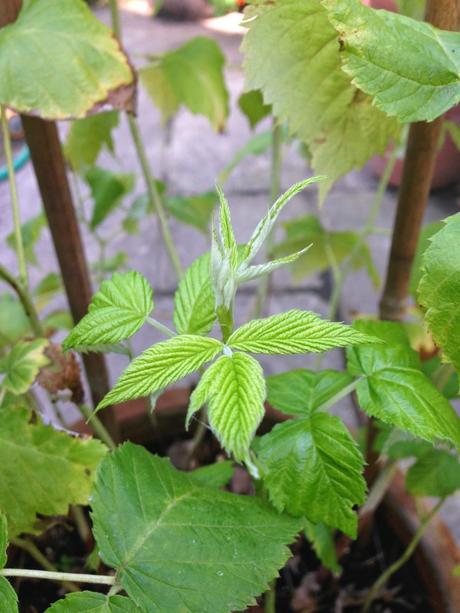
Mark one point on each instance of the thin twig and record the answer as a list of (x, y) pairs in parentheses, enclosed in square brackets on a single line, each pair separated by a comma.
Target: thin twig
[(57, 576), (25, 299), (97, 426)]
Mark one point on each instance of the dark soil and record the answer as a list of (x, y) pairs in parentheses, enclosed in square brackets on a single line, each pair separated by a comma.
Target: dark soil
[(303, 587)]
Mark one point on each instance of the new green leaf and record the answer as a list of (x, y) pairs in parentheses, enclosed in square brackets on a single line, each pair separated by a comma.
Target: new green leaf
[(194, 302), (418, 84), (185, 547), (19, 368), (161, 365), (43, 470), (234, 390), (439, 289), (91, 602), (394, 389), (191, 75), (294, 332), (301, 391), (116, 312), (313, 468), (59, 62)]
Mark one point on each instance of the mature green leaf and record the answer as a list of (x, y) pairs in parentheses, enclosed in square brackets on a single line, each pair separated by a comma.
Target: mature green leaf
[(185, 547), (302, 391), (21, 365), (87, 137), (195, 211), (43, 470), (395, 390), (49, 286), (303, 80), (3, 540), (57, 320), (85, 602), (58, 61), (8, 597), (194, 302), (412, 8), (14, 323), (234, 390), (325, 246), (314, 469), (294, 332), (417, 85), (439, 289), (116, 312), (191, 75), (424, 241), (214, 475), (252, 105), (31, 232), (161, 365), (107, 190), (321, 538), (435, 473)]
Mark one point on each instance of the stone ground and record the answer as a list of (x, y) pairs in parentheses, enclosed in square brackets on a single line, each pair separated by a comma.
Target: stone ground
[(189, 159)]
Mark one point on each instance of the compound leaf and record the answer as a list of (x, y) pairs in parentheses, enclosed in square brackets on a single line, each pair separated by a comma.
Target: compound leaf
[(194, 302), (313, 468), (21, 365), (59, 62), (85, 602), (116, 312), (87, 137), (43, 470), (161, 365), (182, 537), (234, 390), (294, 332)]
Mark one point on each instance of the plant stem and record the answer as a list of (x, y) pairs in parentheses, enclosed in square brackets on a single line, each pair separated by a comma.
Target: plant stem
[(342, 394), (270, 598), (57, 576), (81, 524), (14, 200), (37, 555), (115, 17), (25, 299), (391, 570), (161, 327), (275, 189), (97, 426)]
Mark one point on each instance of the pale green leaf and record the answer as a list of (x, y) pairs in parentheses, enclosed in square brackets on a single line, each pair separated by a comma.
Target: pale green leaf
[(254, 272), (194, 302), (214, 475), (294, 332), (58, 61), (14, 323), (107, 190), (292, 55), (439, 289), (8, 597), (57, 320), (47, 289), (192, 76), (43, 470), (19, 368), (226, 229), (92, 602), (418, 84), (161, 365), (305, 230), (301, 391), (31, 232), (395, 390), (434, 473), (3, 540), (234, 390), (252, 105), (116, 312), (185, 547), (87, 137), (313, 468), (321, 538), (195, 211)]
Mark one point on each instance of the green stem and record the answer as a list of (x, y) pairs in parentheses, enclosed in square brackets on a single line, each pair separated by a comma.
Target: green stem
[(442, 376), (391, 570), (81, 524), (37, 555), (14, 200), (57, 576), (25, 299), (342, 394), (97, 426), (275, 189), (115, 17), (346, 268), (270, 598), (161, 327)]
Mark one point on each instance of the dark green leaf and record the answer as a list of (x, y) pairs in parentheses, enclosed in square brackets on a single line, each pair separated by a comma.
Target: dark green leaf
[(195, 211), (91, 602), (321, 538), (252, 105), (107, 190)]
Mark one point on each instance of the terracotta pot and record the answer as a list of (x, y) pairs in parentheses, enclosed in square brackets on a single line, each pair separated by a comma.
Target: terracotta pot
[(437, 553)]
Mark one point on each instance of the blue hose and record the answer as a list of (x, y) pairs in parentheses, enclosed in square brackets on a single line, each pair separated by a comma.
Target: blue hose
[(19, 161)]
